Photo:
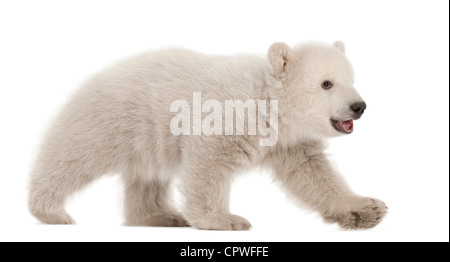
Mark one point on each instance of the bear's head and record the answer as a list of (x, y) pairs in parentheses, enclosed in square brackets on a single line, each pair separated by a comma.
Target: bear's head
[(313, 83)]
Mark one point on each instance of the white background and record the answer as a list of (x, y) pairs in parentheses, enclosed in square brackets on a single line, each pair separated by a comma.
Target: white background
[(399, 151)]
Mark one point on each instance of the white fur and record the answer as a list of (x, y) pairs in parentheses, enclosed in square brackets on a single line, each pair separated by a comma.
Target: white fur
[(119, 123)]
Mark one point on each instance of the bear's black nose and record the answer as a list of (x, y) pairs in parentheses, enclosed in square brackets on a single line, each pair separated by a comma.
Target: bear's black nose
[(358, 109)]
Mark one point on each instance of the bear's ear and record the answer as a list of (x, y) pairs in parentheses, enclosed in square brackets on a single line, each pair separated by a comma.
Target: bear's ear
[(339, 45), (280, 55)]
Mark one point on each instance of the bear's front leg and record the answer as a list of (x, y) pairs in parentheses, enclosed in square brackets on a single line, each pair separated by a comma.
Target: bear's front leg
[(206, 187), (306, 173), (363, 213), (207, 192)]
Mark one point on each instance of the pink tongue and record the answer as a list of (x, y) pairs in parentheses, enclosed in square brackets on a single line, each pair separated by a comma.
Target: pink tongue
[(347, 126)]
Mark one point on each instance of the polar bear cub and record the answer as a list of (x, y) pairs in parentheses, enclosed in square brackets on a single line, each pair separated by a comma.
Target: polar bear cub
[(146, 120)]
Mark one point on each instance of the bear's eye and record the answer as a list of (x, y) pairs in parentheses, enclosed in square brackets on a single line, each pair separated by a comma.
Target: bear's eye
[(327, 85)]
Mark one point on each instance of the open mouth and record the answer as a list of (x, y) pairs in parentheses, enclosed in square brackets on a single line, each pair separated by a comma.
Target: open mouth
[(345, 127)]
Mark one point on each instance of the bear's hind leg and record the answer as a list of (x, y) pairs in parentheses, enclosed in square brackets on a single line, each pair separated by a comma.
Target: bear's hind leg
[(50, 186), (147, 203)]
